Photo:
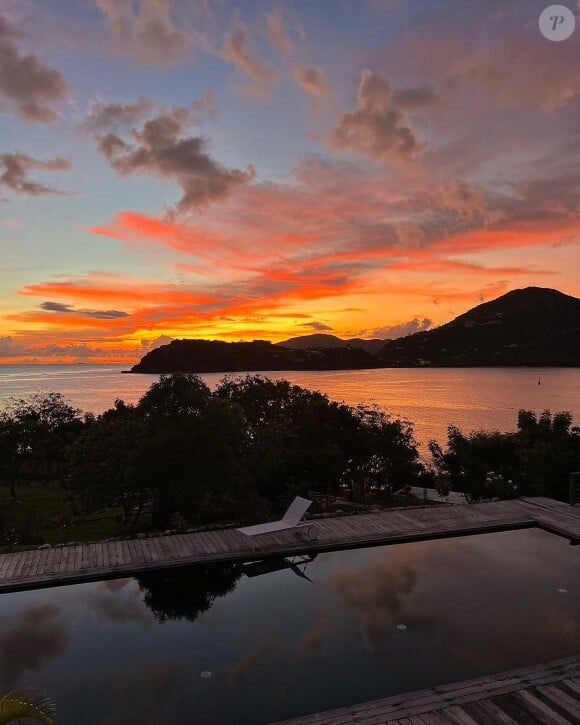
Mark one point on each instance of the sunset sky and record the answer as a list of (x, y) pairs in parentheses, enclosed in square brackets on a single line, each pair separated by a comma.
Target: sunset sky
[(256, 169)]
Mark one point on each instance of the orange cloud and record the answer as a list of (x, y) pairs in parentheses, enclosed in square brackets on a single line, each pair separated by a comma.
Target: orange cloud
[(513, 235), (115, 289), (271, 254)]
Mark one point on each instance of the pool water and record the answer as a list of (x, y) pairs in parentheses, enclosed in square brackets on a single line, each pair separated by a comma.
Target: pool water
[(255, 644)]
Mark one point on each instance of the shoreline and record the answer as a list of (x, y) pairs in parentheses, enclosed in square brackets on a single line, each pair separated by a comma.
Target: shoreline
[(347, 370)]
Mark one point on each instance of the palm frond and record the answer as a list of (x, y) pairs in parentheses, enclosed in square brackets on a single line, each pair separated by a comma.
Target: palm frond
[(18, 704)]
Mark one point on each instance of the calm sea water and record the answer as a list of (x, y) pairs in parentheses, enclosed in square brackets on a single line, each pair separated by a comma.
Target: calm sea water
[(276, 646), (472, 398)]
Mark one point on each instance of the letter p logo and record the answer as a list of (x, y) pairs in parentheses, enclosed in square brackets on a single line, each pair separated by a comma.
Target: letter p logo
[(557, 22)]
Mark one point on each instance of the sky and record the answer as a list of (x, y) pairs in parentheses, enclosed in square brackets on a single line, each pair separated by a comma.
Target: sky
[(263, 169)]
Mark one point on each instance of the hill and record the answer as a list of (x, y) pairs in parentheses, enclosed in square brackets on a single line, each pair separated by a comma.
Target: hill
[(208, 356), (534, 326), (307, 342)]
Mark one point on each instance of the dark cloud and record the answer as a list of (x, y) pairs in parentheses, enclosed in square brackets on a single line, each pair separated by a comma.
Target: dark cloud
[(378, 127), (97, 314), (104, 116), (402, 329), (146, 30), (30, 87), (31, 640), (237, 51), (15, 167), (119, 116), (160, 148)]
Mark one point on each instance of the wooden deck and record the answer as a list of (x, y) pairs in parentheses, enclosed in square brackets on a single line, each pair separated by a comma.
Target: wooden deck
[(547, 693), (89, 562)]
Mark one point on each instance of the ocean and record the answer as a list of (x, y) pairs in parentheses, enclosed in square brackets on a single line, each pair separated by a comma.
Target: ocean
[(430, 398)]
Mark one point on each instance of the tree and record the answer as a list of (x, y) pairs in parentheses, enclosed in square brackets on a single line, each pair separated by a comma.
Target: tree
[(106, 467), (191, 446), (49, 409), (536, 460), (382, 454), (14, 450), (298, 440), (293, 437), (548, 451), (34, 435), (480, 465)]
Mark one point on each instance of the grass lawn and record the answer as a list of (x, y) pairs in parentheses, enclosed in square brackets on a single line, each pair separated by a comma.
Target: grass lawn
[(45, 506)]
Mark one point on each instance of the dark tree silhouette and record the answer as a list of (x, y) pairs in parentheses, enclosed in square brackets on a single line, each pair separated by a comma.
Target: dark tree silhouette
[(185, 593), (35, 433), (535, 460), (191, 447)]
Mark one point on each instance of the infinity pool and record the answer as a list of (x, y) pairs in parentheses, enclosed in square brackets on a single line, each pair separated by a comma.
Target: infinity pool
[(254, 644)]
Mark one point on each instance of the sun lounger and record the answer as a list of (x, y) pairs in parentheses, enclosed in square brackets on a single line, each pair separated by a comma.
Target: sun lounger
[(292, 519)]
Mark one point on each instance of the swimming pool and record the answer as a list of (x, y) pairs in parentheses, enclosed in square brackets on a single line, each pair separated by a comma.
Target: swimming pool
[(264, 642)]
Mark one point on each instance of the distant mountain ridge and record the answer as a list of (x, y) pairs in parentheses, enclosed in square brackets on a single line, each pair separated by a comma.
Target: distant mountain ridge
[(211, 356), (307, 342), (534, 326)]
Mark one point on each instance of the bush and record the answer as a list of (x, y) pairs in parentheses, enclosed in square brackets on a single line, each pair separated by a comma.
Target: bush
[(534, 461)]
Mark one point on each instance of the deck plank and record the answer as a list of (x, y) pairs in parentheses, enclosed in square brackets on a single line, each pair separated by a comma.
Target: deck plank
[(486, 712), (537, 710), (573, 685), (83, 562), (526, 696), (458, 716), (566, 705)]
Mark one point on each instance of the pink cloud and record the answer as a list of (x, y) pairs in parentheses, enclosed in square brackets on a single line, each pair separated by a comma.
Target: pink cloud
[(237, 50), (277, 36), (148, 32), (378, 127)]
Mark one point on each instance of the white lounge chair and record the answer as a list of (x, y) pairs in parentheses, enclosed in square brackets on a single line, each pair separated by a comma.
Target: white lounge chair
[(291, 520)]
